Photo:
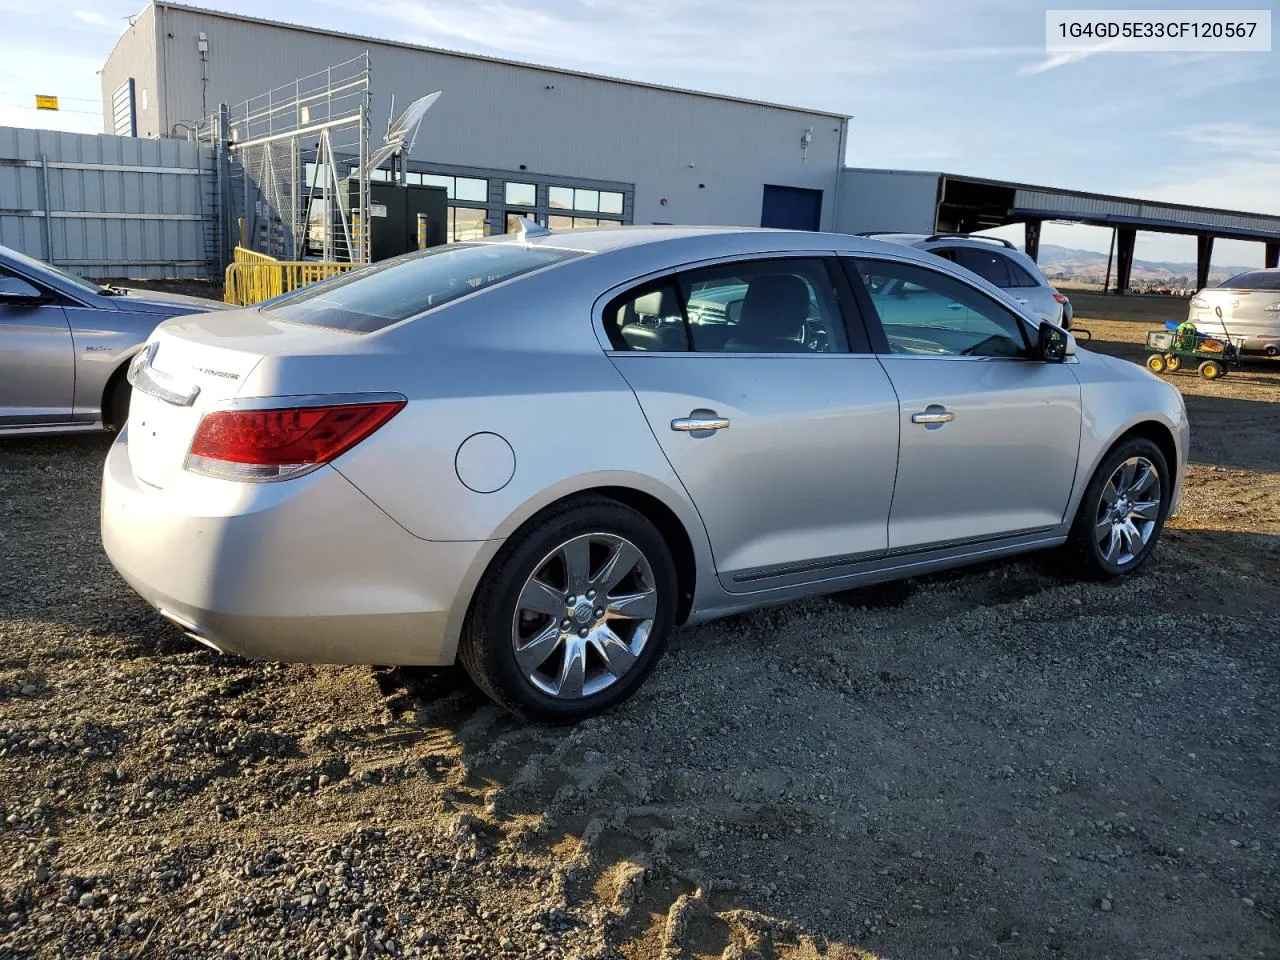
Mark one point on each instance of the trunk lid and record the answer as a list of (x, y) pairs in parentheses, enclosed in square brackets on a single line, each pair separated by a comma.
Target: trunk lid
[(191, 365)]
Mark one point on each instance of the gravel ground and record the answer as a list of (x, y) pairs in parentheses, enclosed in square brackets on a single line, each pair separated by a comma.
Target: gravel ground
[(994, 762)]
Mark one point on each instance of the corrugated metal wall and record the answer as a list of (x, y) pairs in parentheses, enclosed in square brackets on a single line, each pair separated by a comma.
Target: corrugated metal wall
[(903, 200), (708, 158), (104, 206)]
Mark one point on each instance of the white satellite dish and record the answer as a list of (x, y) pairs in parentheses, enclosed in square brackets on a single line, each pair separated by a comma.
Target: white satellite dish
[(402, 133)]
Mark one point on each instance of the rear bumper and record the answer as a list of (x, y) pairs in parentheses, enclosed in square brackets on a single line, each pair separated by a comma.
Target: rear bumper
[(307, 570)]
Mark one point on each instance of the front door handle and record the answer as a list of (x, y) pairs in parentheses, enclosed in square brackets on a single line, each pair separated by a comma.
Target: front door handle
[(933, 415), (693, 424)]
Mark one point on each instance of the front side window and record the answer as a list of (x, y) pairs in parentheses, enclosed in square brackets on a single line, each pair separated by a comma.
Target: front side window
[(987, 264), (926, 313), (377, 296)]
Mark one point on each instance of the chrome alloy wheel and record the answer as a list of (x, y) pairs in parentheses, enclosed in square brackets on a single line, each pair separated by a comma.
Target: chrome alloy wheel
[(584, 615), (1128, 511)]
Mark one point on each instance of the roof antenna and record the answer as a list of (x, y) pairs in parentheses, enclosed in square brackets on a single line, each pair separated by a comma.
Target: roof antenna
[(527, 228)]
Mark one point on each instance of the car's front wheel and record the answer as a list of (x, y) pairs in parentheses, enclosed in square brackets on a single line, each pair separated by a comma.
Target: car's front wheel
[(573, 613), (1123, 510)]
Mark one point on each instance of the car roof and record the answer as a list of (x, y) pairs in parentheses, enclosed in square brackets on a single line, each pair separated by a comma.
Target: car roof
[(729, 240)]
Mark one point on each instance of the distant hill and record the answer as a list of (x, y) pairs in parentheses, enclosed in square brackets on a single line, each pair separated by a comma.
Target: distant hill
[(1090, 267)]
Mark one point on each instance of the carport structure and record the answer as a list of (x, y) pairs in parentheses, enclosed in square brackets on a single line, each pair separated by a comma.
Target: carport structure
[(968, 204)]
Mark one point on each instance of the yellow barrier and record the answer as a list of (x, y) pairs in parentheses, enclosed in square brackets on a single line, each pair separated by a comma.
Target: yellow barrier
[(255, 277), (252, 256)]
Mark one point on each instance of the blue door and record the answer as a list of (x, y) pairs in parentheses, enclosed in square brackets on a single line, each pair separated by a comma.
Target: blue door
[(791, 208)]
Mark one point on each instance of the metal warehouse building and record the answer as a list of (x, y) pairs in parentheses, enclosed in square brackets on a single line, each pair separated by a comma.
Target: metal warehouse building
[(507, 139)]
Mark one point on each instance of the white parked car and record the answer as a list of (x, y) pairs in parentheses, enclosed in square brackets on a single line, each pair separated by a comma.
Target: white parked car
[(1250, 304)]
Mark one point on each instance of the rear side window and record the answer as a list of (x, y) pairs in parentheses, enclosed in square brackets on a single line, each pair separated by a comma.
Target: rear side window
[(648, 319), (752, 306), (1255, 280), (985, 263), (1019, 277), (377, 296)]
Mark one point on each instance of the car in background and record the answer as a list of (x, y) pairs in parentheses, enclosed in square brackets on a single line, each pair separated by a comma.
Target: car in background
[(537, 455), (1250, 305), (997, 261), (65, 344)]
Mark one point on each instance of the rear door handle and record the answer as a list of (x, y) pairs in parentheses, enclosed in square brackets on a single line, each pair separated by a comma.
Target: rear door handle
[(695, 424), (933, 416)]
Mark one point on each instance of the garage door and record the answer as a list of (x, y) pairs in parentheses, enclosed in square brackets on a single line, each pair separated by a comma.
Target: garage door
[(791, 208)]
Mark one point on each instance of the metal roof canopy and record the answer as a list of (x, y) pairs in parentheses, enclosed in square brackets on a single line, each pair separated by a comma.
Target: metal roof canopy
[(968, 204)]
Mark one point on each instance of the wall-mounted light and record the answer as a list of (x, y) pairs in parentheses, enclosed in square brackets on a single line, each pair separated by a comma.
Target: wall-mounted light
[(202, 43), (806, 138)]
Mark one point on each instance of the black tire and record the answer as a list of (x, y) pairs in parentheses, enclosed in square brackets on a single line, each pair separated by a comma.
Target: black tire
[(486, 648), (1087, 554), (1212, 370), (1156, 363), (118, 404)]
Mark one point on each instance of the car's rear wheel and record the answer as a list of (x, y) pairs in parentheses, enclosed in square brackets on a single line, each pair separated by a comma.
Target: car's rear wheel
[(1123, 510), (574, 612)]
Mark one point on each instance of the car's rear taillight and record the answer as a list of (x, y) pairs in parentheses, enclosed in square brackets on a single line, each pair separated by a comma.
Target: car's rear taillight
[(275, 444), (1059, 297)]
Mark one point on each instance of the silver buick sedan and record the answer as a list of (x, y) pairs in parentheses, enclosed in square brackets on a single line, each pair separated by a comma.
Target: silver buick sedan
[(65, 345), (539, 455)]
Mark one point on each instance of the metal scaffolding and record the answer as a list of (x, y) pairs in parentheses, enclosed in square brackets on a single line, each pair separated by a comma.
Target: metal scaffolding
[(292, 167)]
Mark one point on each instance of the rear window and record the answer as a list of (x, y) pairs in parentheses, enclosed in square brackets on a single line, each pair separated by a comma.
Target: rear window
[(374, 297), (1255, 280)]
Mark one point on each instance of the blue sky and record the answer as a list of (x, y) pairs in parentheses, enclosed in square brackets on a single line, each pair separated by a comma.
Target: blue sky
[(963, 86)]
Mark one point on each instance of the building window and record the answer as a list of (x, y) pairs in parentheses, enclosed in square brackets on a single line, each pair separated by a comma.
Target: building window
[(471, 189), (514, 218), (380, 174), (586, 200), (467, 189), (561, 198), (568, 223), (521, 194), (610, 202), (465, 223)]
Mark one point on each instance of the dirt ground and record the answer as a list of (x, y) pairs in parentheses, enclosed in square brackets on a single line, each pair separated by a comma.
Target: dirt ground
[(997, 762)]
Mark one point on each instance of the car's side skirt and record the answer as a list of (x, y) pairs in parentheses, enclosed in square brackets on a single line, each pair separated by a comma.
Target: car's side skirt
[(791, 584)]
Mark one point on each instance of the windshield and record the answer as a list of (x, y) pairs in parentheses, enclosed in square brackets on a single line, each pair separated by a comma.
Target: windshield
[(374, 297), (1254, 280), (40, 267)]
